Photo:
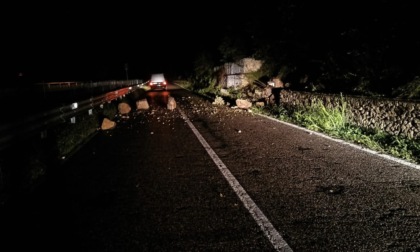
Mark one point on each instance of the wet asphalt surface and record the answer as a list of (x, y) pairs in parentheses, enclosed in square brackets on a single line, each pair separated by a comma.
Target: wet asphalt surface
[(149, 185)]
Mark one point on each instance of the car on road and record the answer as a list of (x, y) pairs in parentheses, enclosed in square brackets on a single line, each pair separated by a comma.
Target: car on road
[(157, 82)]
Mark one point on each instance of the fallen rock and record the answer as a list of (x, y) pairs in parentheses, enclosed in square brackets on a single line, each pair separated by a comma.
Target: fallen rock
[(108, 124), (124, 108), (142, 104), (243, 104), (171, 103)]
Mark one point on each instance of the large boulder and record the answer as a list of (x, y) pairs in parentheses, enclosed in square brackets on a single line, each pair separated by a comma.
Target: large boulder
[(243, 104)]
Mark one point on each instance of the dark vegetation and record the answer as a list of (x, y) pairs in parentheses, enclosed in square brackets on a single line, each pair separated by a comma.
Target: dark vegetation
[(33, 157), (368, 48), (352, 48)]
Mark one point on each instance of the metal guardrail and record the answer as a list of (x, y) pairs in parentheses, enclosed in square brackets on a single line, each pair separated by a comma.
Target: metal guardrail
[(30, 124)]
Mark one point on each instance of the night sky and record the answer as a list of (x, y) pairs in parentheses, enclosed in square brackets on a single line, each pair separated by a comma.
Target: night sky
[(66, 42), (69, 41)]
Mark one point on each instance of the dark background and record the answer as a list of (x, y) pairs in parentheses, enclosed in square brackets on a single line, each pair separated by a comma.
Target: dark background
[(63, 42), (70, 41)]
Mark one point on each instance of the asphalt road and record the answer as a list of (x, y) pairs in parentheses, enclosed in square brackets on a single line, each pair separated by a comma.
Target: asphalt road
[(210, 178)]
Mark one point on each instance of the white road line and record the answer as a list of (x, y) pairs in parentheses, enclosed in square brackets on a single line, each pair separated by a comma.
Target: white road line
[(401, 161), (272, 234)]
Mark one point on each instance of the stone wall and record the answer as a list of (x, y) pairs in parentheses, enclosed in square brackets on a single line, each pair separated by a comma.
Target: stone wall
[(235, 73), (392, 116)]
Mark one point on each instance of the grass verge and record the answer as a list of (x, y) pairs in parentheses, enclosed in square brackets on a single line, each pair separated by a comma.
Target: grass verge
[(334, 122)]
